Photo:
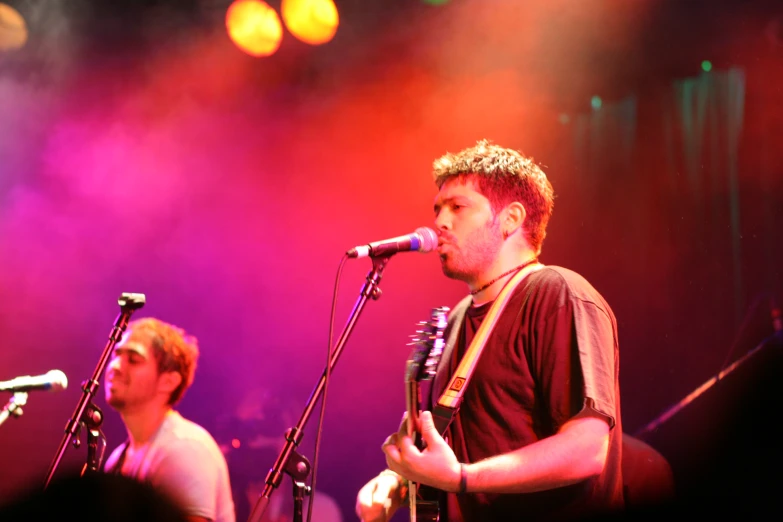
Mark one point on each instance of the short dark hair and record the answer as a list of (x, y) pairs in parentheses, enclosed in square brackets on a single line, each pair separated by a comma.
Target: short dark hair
[(503, 176)]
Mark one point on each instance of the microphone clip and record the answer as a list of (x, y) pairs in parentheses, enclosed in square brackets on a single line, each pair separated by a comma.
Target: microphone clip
[(131, 301), (14, 406)]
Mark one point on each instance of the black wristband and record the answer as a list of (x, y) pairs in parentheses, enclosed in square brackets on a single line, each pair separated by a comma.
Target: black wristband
[(463, 479)]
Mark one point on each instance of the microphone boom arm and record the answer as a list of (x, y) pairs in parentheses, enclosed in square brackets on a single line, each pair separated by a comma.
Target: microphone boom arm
[(288, 460)]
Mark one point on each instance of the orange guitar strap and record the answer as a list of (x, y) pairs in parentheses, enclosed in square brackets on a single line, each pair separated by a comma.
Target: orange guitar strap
[(446, 408)]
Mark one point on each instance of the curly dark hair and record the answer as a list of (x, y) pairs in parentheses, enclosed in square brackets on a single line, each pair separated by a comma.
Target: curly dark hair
[(175, 350), (503, 176)]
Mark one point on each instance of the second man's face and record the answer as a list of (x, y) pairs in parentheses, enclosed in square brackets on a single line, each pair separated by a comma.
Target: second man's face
[(132, 377)]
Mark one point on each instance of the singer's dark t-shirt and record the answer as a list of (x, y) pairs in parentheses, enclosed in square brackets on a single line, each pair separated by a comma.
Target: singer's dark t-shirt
[(553, 352)]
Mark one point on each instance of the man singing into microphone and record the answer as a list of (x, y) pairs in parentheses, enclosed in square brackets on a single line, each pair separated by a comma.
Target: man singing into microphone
[(151, 368), (538, 434)]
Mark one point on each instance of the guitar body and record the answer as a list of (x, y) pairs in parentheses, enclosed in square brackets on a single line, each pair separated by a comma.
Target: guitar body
[(422, 365)]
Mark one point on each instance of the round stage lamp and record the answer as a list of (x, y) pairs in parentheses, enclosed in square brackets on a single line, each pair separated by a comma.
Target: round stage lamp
[(311, 21), (13, 30), (254, 27)]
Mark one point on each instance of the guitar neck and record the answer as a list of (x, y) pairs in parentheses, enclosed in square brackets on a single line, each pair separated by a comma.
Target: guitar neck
[(421, 365), (412, 406), (412, 402)]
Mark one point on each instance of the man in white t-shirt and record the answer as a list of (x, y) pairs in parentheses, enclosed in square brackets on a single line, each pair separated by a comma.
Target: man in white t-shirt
[(151, 368)]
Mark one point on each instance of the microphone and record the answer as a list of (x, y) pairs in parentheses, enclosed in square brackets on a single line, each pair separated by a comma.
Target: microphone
[(54, 380), (422, 240)]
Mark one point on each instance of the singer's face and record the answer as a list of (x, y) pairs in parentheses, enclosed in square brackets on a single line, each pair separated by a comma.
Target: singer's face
[(469, 235), (132, 377)]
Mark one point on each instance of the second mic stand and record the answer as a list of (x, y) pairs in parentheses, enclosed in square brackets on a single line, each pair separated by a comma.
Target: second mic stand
[(669, 413), (14, 406), (86, 413), (289, 461)]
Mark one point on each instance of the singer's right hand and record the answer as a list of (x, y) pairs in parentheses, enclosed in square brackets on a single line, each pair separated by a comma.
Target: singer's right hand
[(379, 498)]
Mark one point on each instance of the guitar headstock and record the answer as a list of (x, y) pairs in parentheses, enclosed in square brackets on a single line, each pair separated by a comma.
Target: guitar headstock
[(428, 344)]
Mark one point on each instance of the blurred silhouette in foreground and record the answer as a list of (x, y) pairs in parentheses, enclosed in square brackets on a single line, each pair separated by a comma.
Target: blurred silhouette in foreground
[(94, 497)]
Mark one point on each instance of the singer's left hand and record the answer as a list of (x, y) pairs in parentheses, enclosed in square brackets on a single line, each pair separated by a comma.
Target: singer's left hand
[(435, 466)]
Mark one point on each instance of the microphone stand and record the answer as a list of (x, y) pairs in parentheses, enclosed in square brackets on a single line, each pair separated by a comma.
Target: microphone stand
[(87, 413), (288, 460), (14, 406)]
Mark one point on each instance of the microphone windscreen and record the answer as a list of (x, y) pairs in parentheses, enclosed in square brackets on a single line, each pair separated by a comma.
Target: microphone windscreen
[(429, 239)]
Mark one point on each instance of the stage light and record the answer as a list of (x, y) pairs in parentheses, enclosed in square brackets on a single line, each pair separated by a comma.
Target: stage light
[(13, 29), (311, 21), (254, 27), (596, 102), (706, 66)]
